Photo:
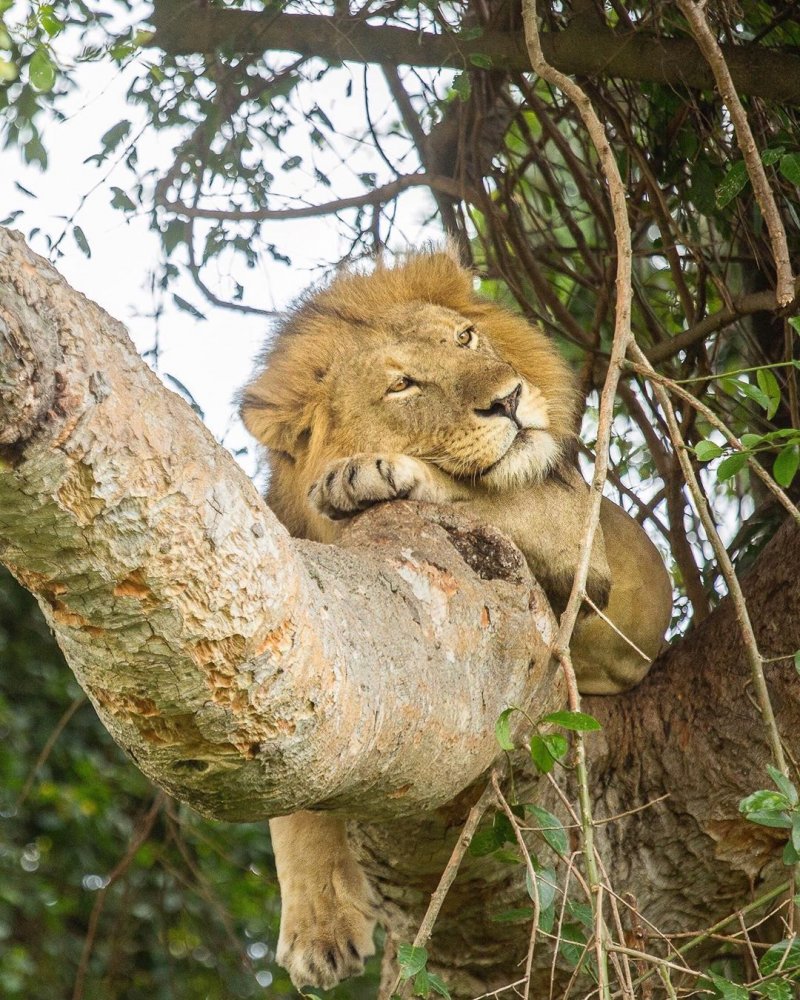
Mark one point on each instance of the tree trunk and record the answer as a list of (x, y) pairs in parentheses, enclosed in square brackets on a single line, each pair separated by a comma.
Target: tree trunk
[(249, 674)]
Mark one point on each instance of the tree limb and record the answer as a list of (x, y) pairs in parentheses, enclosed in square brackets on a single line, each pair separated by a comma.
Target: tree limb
[(186, 26), (245, 673)]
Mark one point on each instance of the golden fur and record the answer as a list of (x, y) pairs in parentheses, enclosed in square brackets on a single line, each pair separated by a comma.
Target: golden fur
[(404, 383)]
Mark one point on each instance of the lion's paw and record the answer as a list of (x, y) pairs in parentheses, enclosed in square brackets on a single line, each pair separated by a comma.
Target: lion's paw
[(325, 938), (350, 485)]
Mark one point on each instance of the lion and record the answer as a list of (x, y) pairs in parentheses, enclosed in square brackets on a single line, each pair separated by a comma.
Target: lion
[(403, 383)]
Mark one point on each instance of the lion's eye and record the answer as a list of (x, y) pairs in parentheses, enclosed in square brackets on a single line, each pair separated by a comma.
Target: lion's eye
[(400, 383), (467, 337)]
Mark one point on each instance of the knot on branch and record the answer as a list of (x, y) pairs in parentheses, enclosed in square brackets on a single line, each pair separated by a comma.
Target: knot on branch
[(489, 553)]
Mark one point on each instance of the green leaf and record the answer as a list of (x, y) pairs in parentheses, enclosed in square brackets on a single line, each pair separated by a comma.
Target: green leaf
[(732, 183), (512, 916), (797, 661), (581, 912), (796, 831), (785, 466), (770, 156), (502, 730), (187, 307), (80, 238), (556, 745), (550, 828), (114, 136), (573, 943), (462, 86), (765, 800), (484, 842), (480, 60), (438, 986), (768, 384), (422, 983), (576, 721), (706, 450), (775, 820), (121, 200), (411, 960), (785, 954), (775, 989), (783, 784), (41, 71), (728, 990), (547, 919), (790, 855), (729, 466), (790, 168), (545, 885), (540, 755), (754, 392), (507, 857), (49, 21)]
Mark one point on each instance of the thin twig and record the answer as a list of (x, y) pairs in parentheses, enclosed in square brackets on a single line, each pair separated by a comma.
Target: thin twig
[(621, 340), (501, 801), (725, 564), (47, 748), (619, 632), (730, 437), (709, 46), (451, 869), (145, 827)]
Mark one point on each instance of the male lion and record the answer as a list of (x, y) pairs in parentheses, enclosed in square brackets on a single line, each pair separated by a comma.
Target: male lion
[(403, 383)]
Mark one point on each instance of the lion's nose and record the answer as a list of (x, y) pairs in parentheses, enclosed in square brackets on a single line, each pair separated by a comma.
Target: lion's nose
[(504, 406)]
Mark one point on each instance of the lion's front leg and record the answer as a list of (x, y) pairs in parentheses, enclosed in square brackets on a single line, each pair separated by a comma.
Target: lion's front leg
[(328, 907), (352, 484)]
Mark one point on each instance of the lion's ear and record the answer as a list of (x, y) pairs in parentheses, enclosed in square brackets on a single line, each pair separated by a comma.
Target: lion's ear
[(278, 425)]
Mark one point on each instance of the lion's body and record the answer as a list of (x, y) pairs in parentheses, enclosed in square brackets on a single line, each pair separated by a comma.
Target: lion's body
[(404, 383)]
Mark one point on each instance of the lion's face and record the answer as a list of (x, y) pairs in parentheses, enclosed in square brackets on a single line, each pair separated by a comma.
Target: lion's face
[(408, 360), (432, 386)]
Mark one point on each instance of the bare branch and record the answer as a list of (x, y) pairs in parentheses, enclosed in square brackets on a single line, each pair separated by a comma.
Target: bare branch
[(711, 49), (375, 197)]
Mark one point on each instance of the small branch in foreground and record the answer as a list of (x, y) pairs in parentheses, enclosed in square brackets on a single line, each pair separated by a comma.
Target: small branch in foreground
[(725, 564), (451, 870), (501, 801), (622, 339), (709, 46)]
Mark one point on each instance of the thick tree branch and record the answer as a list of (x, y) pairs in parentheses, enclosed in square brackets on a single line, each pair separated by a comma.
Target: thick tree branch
[(186, 26), (245, 673)]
